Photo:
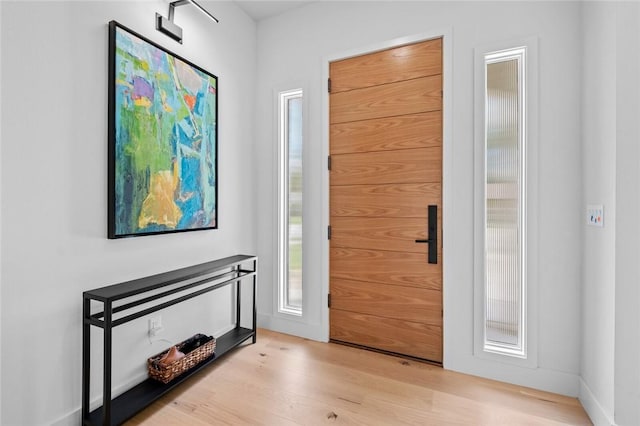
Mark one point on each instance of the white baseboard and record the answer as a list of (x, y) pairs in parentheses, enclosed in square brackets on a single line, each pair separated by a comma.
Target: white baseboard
[(596, 413), (74, 418), (71, 419), (291, 326)]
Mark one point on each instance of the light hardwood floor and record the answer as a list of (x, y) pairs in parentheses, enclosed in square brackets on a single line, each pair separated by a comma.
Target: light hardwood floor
[(285, 380)]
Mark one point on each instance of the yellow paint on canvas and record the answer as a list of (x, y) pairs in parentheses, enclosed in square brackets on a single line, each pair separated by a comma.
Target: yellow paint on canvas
[(144, 102), (165, 105), (159, 207)]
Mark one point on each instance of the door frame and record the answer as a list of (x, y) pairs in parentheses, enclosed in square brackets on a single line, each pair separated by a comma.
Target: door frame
[(447, 159)]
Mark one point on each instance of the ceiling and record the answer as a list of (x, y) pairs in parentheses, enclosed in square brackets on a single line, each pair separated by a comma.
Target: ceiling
[(263, 9)]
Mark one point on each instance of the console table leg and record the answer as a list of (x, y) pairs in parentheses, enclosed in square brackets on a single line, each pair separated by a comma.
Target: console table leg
[(86, 355), (106, 393), (255, 307), (238, 298)]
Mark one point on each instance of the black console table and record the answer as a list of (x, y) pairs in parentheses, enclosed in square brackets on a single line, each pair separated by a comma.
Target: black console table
[(156, 292)]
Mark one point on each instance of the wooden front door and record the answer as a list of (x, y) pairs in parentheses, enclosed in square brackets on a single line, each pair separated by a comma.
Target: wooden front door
[(386, 169)]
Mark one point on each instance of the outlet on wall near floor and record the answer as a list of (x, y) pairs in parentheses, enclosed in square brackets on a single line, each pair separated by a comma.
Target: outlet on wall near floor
[(595, 215), (155, 325)]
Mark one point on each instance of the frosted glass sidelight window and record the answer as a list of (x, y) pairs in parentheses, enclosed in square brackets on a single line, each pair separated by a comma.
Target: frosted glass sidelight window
[(504, 322), (290, 203)]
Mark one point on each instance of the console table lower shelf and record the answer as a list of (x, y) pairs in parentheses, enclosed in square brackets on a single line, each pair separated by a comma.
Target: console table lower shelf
[(137, 398)]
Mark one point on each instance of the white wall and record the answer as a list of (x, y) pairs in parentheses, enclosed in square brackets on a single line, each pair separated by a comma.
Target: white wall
[(54, 183), (627, 174), (293, 47), (599, 187), (610, 373)]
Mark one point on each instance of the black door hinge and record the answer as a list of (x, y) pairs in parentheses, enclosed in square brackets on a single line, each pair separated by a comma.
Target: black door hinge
[(329, 232), (329, 300), (329, 85), (329, 162)]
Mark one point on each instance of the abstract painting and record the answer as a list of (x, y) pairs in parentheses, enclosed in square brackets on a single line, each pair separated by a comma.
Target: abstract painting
[(162, 139)]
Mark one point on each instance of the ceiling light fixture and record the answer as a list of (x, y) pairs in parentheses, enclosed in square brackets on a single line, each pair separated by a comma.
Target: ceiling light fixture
[(168, 27)]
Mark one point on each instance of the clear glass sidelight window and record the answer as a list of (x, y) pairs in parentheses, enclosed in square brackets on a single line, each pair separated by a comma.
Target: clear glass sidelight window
[(505, 284), (290, 202)]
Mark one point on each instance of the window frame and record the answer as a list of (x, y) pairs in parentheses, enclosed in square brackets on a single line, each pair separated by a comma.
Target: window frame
[(282, 211), (526, 353)]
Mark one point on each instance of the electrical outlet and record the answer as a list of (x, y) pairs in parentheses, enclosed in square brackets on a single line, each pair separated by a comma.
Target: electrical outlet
[(155, 326), (595, 215)]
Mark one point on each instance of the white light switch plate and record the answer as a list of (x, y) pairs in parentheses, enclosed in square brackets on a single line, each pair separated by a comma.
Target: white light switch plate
[(595, 215)]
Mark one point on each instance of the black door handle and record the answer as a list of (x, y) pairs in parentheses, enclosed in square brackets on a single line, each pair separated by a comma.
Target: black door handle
[(432, 227)]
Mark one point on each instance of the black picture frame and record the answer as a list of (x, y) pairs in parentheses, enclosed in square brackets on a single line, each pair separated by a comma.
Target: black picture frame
[(162, 140)]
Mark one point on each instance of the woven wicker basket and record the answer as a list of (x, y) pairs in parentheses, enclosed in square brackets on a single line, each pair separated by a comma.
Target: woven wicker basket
[(167, 373)]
